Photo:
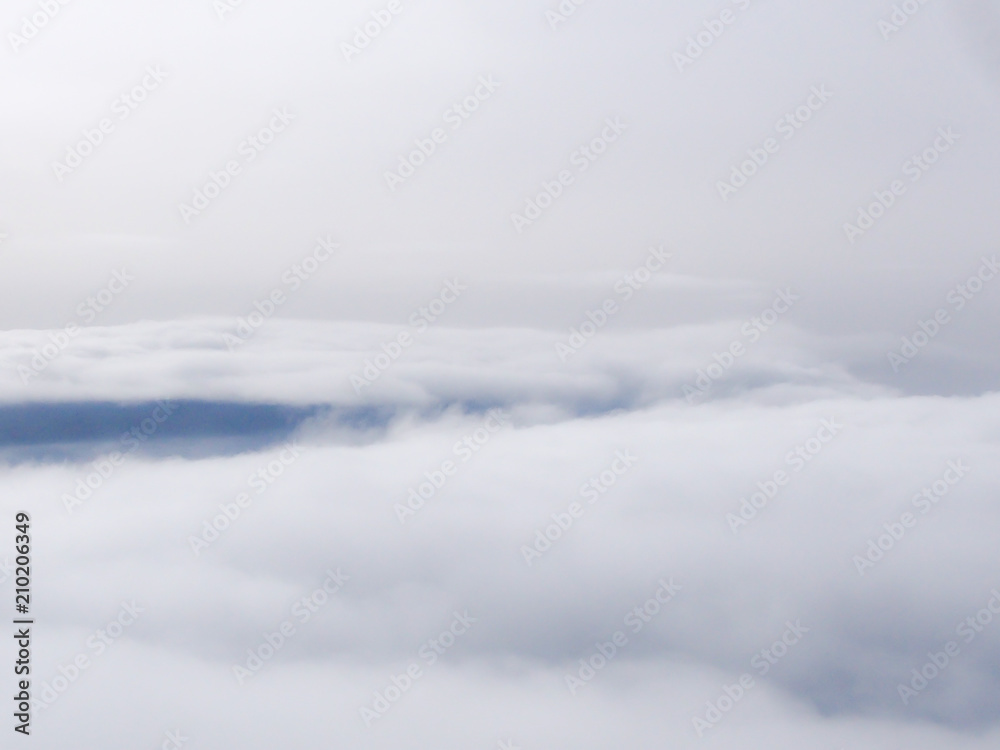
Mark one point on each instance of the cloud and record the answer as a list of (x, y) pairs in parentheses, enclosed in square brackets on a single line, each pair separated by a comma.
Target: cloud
[(504, 442), (333, 509)]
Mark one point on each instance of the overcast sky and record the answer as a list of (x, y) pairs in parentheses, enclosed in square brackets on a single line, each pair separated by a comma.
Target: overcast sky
[(279, 261)]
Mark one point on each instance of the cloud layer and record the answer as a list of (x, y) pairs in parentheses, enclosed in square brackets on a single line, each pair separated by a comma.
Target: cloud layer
[(550, 374)]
